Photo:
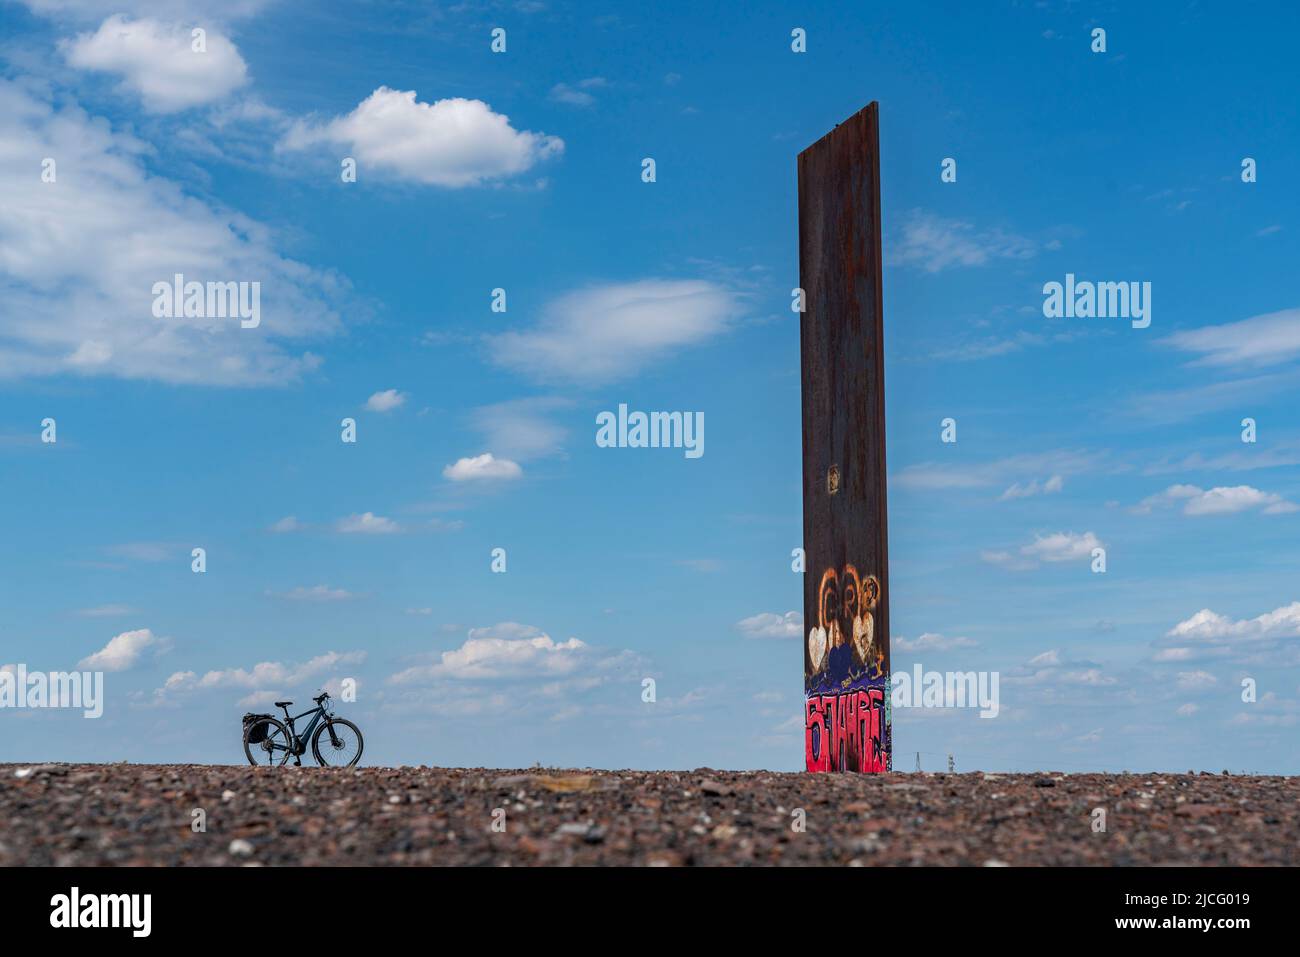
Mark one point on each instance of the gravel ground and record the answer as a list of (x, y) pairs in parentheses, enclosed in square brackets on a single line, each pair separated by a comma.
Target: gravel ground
[(124, 814)]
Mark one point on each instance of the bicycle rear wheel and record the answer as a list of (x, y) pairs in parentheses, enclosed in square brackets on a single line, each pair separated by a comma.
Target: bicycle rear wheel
[(267, 743), (337, 744)]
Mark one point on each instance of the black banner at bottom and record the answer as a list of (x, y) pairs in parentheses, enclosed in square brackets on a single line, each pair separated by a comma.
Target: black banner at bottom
[(193, 905)]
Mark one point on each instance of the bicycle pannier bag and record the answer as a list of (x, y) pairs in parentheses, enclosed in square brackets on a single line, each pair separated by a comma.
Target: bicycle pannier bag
[(256, 735)]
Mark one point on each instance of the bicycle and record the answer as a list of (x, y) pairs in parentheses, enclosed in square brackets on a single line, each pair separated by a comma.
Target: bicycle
[(268, 741)]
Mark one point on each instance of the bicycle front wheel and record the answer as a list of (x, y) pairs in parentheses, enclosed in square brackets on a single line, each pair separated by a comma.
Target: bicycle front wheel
[(337, 744)]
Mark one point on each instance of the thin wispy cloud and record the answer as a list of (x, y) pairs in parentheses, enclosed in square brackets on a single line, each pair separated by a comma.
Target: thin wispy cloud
[(1032, 488), (929, 641), (606, 332), (315, 593), (1269, 339), (578, 94), (386, 401), (933, 244), (1058, 464)]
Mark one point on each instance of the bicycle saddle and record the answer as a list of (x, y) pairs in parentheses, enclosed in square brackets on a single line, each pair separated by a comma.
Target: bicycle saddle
[(283, 704)]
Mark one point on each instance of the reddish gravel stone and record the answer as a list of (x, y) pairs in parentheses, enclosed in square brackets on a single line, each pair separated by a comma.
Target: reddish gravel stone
[(122, 814)]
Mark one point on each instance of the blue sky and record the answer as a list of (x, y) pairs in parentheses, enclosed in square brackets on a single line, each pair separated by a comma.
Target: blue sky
[(522, 171)]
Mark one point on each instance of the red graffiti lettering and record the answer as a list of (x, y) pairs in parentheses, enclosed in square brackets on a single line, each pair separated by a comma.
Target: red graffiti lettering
[(842, 732)]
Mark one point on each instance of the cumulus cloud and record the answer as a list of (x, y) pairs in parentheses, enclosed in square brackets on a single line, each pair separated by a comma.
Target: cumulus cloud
[(263, 675), (604, 332), (1265, 641), (933, 243), (452, 143), (367, 523), (79, 258), (771, 625), (1061, 546), (506, 650), (96, 10), (1207, 625), (386, 401), (1057, 547), (157, 61), (1222, 500), (1268, 339), (121, 652), (480, 467), (286, 525)]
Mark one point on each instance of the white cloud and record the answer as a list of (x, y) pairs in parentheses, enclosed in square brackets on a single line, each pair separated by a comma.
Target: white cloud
[(604, 332), (79, 258), (1057, 547), (96, 10), (1061, 546), (1207, 625), (1276, 455), (578, 94), (386, 401), (453, 142), (1267, 339), (1006, 559), (265, 674), (522, 429), (505, 650), (705, 566), (771, 625), (314, 593), (1187, 710), (972, 475), (367, 523), (157, 61), (121, 652), (105, 611), (930, 641), (485, 466), (1016, 490), (144, 551), (1223, 500), (286, 525), (933, 243), (1052, 669), (1196, 680)]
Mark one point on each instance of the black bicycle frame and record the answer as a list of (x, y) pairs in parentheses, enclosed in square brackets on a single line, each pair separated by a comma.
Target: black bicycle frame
[(300, 743)]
